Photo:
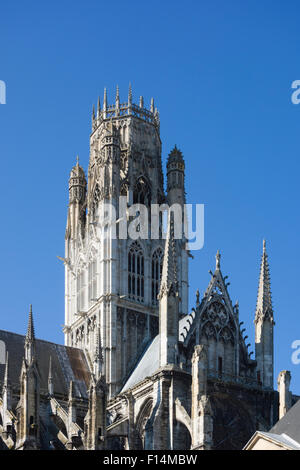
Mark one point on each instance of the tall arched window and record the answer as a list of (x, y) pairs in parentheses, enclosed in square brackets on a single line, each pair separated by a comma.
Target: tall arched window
[(136, 273), (80, 291), (157, 263), (92, 278), (142, 192)]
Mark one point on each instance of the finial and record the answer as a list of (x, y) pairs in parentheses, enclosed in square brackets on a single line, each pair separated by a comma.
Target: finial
[(218, 260), (129, 98), (98, 108), (152, 105), (77, 160), (197, 297), (169, 282), (141, 102), (117, 101), (104, 103), (30, 328), (50, 378), (71, 391), (98, 357), (93, 113), (6, 370), (264, 308), (30, 340)]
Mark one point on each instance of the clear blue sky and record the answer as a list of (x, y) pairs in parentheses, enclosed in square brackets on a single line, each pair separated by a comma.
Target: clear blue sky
[(221, 75)]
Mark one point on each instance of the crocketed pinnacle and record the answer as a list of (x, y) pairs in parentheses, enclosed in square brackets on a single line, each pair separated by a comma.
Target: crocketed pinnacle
[(5, 381), (264, 306), (175, 156), (218, 260), (71, 391), (98, 349), (30, 336), (169, 283)]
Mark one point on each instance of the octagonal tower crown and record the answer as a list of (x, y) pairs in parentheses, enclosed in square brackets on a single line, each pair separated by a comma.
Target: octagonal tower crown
[(127, 108)]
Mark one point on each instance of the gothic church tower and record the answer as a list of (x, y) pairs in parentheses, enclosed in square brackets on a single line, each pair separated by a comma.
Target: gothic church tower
[(112, 280)]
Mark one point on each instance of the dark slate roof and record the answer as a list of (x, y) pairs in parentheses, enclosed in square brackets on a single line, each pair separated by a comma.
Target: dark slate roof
[(67, 364), (149, 363), (289, 424), (149, 360)]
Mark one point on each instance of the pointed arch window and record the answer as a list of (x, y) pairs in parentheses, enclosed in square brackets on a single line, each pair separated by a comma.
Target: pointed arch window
[(80, 291), (142, 192), (136, 273), (156, 269), (92, 281), (96, 199)]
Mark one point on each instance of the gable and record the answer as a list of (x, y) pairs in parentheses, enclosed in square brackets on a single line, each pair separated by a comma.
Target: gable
[(215, 317)]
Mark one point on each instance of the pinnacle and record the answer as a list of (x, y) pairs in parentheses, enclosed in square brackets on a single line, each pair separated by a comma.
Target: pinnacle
[(6, 371), (71, 391), (50, 369), (218, 260), (105, 99), (175, 154), (264, 297), (30, 329), (98, 350), (130, 93), (169, 271)]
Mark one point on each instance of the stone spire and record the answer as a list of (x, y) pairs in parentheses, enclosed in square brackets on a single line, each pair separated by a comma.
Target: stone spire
[(152, 105), (104, 104), (218, 260), (30, 328), (6, 402), (98, 358), (117, 101), (71, 392), (28, 406), (169, 283), (50, 379), (98, 108), (30, 339), (197, 298), (264, 325), (5, 381), (130, 93), (129, 98), (6, 393), (169, 301), (71, 416), (264, 306)]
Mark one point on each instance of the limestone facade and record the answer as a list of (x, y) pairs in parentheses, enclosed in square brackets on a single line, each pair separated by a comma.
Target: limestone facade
[(138, 370)]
